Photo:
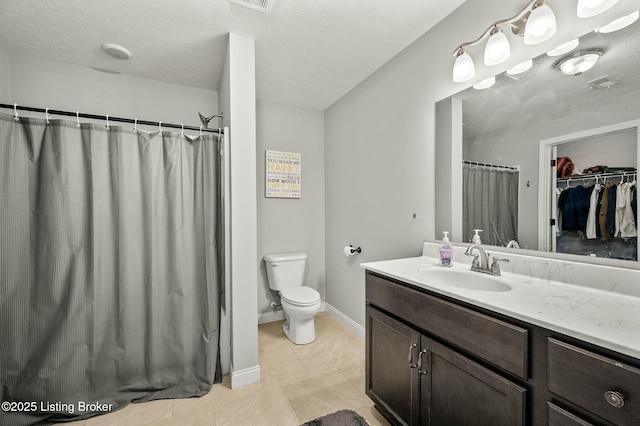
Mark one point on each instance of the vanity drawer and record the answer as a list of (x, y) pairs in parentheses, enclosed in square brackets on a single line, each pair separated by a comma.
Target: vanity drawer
[(595, 382), (496, 341), (560, 417)]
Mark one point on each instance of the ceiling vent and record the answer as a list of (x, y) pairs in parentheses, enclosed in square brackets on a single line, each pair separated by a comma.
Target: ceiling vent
[(603, 82), (260, 5)]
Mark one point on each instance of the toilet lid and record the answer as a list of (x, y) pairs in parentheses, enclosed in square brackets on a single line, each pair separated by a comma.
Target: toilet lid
[(300, 296)]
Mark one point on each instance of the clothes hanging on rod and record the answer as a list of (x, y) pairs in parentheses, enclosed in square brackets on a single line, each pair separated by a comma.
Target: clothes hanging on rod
[(78, 115), (598, 223), (593, 207), (625, 217), (599, 211)]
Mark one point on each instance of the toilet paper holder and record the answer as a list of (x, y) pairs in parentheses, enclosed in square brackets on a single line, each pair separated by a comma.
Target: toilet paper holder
[(350, 250)]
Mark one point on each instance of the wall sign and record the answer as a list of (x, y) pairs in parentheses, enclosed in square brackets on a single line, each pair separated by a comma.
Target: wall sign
[(283, 174)]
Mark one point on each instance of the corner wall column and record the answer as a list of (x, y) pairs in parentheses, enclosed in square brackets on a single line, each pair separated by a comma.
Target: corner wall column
[(244, 223)]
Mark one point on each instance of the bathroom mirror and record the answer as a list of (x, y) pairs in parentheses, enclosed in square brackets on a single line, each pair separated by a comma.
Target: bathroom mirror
[(504, 125)]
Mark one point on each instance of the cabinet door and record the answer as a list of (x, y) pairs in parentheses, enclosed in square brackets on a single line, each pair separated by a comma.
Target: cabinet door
[(392, 382), (458, 391)]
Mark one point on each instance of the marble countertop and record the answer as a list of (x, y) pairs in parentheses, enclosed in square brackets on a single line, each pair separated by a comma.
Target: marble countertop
[(604, 318)]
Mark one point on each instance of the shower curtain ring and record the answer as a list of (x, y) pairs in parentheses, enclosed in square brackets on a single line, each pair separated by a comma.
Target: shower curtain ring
[(46, 115), (182, 131), (135, 125), (200, 131), (160, 126), (77, 119), (107, 122), (15, 110)]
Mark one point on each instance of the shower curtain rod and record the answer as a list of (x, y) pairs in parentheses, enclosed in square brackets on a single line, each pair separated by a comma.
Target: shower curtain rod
[(110, 118), (474, 163)]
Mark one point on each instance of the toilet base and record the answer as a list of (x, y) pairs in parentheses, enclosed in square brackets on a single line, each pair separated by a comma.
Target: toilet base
[(301, 332)]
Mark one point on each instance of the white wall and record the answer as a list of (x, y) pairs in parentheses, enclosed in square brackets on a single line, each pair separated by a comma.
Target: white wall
[(224, 100), (5, 67), (291, 225), (51, 84), (224, 106), (617, 149), (448, 149), (379, 150), (244, 251)]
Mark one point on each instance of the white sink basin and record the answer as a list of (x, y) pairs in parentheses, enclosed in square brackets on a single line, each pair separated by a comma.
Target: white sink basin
[(465, 279)]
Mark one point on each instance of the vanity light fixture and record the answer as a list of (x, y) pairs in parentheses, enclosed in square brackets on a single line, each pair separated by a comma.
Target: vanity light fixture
[(564, 48), (589, 8), (541, 25), (536, 22), (520, 68), (485, 84), (579, 62), (497, 49), (463, 68), (619, 23)]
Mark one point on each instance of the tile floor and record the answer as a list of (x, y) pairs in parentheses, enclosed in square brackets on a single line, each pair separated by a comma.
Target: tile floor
[(299, 383)]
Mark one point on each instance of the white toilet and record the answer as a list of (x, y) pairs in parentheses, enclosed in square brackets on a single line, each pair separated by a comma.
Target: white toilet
[(285, 273)]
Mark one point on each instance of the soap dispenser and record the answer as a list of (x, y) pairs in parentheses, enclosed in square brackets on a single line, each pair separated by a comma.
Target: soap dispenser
[(446, 251), (476, 237)]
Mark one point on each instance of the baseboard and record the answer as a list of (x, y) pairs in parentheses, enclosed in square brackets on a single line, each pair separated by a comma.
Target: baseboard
[(244, 377), (346, 321), (265, 317)]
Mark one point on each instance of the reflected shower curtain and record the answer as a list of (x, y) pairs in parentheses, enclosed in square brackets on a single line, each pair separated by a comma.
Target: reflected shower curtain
[(490, 203), (109, 286)]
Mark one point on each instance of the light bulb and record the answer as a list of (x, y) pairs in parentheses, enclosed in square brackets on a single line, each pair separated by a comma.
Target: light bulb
[(497, 49), (463, 68), (564, 48), (589, 8), (541, 25), (485, 84), (520, 68), (620, 23)]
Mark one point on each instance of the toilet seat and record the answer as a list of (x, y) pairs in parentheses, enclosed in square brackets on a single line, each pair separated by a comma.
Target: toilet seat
[(300, 296)]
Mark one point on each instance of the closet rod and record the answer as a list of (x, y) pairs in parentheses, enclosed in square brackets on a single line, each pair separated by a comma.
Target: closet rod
[(598, 176), (496, 166), (104, 117)]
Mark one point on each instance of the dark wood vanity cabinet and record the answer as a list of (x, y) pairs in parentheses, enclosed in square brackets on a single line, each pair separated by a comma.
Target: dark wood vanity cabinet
[(432, 361), (416, 380), (603, 385), (391, 355), (432, 384)]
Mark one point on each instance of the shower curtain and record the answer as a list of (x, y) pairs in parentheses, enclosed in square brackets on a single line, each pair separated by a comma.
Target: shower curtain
[(490, 203), (109, 274)]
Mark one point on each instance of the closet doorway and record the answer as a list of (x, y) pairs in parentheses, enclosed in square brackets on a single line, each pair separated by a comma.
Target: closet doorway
[(587, 192)]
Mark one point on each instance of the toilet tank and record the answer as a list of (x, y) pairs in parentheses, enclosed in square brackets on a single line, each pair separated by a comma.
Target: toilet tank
[(285, 270)]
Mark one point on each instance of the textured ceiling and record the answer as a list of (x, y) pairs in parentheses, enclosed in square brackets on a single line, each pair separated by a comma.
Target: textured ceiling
[(543, 92), (308, 53)]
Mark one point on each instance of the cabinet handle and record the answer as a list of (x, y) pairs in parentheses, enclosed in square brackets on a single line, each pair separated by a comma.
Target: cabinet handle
[(420, 370), (614, 398), (411, 365)]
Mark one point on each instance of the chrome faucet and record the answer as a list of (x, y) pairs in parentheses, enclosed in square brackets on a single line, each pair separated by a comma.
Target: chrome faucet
[(481, 264), (480, 261)]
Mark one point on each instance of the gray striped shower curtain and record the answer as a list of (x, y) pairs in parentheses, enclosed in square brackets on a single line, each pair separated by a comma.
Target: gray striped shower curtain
[(490, 203), (109, 275)]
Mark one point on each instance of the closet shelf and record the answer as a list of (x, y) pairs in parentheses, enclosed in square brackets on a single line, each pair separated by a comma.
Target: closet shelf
[(598, 176)]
